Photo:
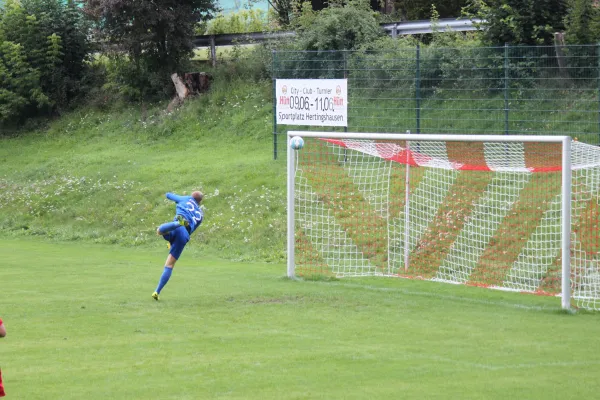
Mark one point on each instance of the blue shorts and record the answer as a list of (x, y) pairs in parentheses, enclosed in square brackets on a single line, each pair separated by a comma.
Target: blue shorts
[(178, 239)]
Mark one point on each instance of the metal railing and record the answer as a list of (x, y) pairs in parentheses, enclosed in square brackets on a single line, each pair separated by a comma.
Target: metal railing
[(393, 29), (442, 25), (537, 90)]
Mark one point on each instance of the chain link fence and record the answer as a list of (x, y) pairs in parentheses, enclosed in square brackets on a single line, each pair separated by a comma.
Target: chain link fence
[(541, 90)]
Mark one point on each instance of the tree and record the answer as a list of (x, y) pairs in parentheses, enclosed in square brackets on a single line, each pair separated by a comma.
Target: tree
[(338, 27), (582, 22), (526, 22), (19, 83), (421, 9), (54, 38), (43, 52), (283, 9), (156, 35)]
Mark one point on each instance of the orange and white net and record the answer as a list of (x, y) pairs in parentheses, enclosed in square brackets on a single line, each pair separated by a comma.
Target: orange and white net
[(476, 213)]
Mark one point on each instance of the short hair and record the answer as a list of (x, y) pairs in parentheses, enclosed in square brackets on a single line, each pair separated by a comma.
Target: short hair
[(198, 196)]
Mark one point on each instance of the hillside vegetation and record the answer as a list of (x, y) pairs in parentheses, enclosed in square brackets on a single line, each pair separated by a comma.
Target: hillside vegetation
[(101, 176)]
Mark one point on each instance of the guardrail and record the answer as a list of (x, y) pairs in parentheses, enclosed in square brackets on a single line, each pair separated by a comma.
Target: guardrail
[(228, 39), (392, 29), (443, 25)]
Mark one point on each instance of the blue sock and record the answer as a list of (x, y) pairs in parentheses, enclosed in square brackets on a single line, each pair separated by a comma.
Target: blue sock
[(168, 227), (164, 278)]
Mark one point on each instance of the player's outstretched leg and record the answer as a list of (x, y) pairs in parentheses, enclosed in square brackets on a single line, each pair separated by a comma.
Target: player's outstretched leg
[(171, 226), (167, 227)]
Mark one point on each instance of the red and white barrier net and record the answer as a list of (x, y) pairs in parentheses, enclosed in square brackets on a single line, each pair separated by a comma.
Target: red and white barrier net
[(471, 212)]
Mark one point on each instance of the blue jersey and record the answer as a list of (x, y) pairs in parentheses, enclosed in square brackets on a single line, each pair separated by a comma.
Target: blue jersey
[(188, 209)]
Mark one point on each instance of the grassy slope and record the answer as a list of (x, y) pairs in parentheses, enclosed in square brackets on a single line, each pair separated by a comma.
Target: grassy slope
[(101, 177)]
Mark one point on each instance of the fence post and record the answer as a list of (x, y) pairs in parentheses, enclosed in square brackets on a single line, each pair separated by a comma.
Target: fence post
[(506, 88), (418, 88), (346, 77), (213, 51), (274, 53), (598, 79)]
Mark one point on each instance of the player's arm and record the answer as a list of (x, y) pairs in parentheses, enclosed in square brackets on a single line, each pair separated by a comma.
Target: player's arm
[(2, 329), (175, 198)]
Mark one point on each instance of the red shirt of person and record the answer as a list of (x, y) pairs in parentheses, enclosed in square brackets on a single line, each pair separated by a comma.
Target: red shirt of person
[(2, 334)]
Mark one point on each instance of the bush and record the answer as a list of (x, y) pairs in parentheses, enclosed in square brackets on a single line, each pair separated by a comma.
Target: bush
[(448, 57), (582, 22), (338, 27), (386, 60), (516, 22), (322, 38), (136, 81), (250, 63)]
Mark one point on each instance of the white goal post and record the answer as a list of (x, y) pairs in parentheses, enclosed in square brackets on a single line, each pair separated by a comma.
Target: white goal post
[(515, 213)]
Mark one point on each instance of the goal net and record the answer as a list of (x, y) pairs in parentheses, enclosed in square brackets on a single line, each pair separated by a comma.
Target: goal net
[(508, 212)]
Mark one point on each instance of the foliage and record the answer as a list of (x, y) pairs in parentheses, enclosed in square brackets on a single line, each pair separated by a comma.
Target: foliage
[(421, 9), (250, 63), (135, 81), (446, 55), (244, 21), (155, 35), (582, 28), (19, 83), (518, 22), (44, 48), (388, 60), (582, 22), (319, 34), (339, 27), (283, 10)]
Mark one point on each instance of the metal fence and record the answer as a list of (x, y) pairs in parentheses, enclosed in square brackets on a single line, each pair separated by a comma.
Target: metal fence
[(541, 90)]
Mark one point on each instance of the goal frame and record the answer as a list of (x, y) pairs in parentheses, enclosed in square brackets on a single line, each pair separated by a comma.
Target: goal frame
[(566, 175)]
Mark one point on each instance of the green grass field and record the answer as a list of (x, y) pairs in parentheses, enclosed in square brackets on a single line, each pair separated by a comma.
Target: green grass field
[(80, 200), (81, 325)]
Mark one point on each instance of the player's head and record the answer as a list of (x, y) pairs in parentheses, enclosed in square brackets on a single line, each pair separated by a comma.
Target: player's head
[(198, 196)]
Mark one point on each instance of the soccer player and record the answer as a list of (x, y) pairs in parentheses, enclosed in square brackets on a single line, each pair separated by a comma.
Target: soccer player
[(2, 334), (188, 217)]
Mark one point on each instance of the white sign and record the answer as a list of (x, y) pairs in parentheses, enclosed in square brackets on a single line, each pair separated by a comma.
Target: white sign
[(315, 102)]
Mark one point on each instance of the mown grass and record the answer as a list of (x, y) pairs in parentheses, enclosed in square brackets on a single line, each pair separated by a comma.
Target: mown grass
[(81, 325)]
